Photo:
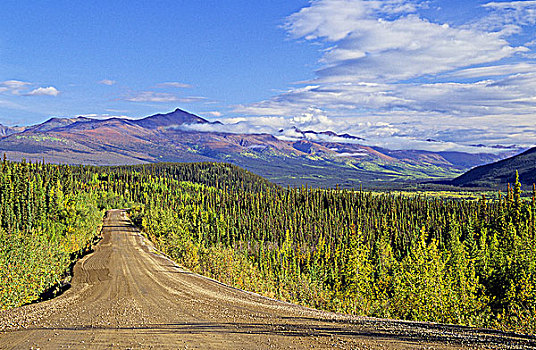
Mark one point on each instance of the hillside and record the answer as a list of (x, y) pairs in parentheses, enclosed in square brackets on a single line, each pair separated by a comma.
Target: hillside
[(501, 172), (168, 137), (217, 175)]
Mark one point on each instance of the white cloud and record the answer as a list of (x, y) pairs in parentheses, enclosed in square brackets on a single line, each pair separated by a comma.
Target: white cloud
[(113, 110), (516, 5), (173, 84), (15, 87), (337, 97), (395, 78), (107, 82), (43, 91), (459, 115), (252, 125), (15, 84), (152, 96), (509, 16), (495, 70), (336, 19), (215, 114), (395, 131), (190, 99), (369, 46)]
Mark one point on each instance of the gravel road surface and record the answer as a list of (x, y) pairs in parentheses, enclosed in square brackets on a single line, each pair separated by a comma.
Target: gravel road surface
[(127, 296)]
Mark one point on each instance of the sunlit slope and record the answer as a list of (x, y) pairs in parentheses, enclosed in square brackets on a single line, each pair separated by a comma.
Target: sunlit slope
[(501, 172)]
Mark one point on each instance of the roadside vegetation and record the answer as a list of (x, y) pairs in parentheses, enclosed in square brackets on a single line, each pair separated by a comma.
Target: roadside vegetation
[(387, 255), (47, 219), (415, 258)]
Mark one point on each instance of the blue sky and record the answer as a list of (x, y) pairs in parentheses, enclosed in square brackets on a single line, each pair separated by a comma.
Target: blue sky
[(397, 72)]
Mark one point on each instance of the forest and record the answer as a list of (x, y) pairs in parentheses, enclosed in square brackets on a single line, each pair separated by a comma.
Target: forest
[(410, 257)]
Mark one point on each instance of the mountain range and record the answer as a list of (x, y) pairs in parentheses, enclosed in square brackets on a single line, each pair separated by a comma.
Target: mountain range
[(317, 158)]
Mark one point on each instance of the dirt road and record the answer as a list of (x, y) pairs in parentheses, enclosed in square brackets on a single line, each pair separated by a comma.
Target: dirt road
[(126, 296)]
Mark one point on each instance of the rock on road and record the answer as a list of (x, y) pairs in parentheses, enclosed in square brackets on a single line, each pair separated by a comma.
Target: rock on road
[(127, 296)]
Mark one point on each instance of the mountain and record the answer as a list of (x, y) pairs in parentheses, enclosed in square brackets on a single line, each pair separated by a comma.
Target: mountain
[(8, 130), (501, 172), (4, 130), (319, 135), (54, 123), (176, 118), (317, 158)]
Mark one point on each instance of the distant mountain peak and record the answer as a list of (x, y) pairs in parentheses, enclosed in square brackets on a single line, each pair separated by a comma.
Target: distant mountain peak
[(55, 123), (165, 120), (496, 146), (308, 134), (6, 130)]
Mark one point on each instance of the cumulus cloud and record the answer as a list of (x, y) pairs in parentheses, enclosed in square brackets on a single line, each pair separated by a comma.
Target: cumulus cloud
[(394, 77), (17, 87), (43, 91), (107, 82)]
